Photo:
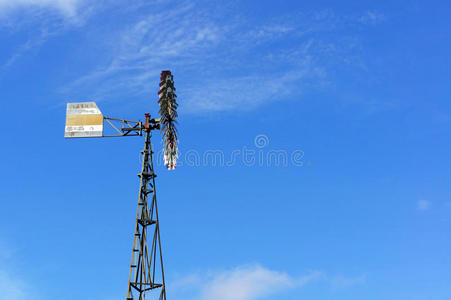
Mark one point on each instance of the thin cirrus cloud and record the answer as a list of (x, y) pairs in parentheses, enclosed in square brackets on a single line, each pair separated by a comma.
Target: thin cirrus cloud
[(225, 63), (423, 205), (65, 7), (38, 21), (253, 90), (12, 285), (230, 64), (340, 281), (13, 288), (249, 282), (141, 49)]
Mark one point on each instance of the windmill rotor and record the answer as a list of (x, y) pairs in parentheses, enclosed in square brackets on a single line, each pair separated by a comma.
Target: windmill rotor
[(168, 121)]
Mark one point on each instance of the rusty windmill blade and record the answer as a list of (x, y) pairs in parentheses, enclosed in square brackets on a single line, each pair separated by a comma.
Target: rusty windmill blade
[(168, 112)]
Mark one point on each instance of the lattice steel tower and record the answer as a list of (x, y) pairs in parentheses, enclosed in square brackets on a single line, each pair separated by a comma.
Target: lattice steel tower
[(86, 120), (146, 269)]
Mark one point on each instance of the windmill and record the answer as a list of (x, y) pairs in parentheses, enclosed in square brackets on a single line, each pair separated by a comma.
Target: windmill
[(86, 120)]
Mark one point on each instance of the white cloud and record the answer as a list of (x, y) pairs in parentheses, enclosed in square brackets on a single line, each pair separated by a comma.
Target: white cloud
[(251, 283), (195, 43), (243, 283), (146, 47), (232, 64), (235, 63), (423, 205), (34, 42), (247, 92), (372, 17), (12, 285), (346, 282), (65, 7), (5, 251), (36, 21), (12, 288)]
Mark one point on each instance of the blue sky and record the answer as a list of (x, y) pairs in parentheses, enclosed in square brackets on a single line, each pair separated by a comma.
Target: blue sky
[(314, 143)]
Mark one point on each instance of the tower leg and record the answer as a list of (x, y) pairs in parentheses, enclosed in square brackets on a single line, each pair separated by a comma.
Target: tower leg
[(146, 269)]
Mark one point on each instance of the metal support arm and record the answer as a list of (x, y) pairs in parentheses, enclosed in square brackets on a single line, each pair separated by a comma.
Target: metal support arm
[(131, 128)]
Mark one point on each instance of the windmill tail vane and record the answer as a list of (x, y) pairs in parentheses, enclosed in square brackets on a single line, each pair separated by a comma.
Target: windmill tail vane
[(168, 112)]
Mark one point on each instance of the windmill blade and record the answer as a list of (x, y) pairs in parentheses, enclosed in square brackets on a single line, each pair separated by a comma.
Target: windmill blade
[(168, 113)]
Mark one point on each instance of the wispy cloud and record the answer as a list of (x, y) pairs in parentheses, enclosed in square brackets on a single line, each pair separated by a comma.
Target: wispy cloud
[(247, 92), (372, 17), (234, 64), (340, 281), (31, 43), (13, 288), (67, 8), (423, 205), (37, 21), (142, 49), (242, 283), (251, 283), (13, 285)]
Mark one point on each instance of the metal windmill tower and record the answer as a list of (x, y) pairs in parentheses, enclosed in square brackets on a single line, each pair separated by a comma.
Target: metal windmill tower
[(86, 120)]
